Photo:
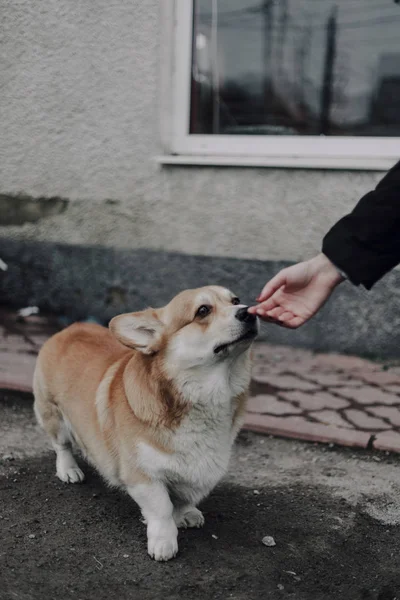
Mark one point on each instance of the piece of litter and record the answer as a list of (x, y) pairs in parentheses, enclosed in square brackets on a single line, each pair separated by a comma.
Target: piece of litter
[(214, 536), (99, 565), (125, 555), (31, 536), (268, 540), (256, 492), (3, 265), (28, 311), (291, 573), (281, 587), (7, 457)]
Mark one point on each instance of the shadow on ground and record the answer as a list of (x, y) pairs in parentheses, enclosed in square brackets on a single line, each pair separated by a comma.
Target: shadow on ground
[(87, 542)]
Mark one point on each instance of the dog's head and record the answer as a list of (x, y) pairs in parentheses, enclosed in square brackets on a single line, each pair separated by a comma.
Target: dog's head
[(198, 327)]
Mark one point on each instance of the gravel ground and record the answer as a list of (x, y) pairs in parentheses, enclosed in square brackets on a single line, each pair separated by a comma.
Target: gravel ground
[(334, 515)]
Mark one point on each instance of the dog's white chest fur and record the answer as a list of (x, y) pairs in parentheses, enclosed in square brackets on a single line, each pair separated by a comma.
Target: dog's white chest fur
[(201, 449)]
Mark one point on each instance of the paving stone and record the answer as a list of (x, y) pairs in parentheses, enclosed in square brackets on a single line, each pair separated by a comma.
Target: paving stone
[(318, 400), (299, 367), (389, 412), (368, 395), (330, 417), (287, 382), (269, 404), (16, 371), (341, 362), (15, 343), (387, 440), (364, 421), (261, 373), (393, 389), (332, 380), (299, 428), (380, 378)]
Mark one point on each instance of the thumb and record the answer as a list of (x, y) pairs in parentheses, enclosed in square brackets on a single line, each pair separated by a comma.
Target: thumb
[(272, 286)]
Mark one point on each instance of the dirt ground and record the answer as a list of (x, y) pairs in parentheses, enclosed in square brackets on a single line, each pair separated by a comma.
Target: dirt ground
[(334, 515)]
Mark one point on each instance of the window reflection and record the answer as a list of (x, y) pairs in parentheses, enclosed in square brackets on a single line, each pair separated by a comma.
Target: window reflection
[(296, 67)]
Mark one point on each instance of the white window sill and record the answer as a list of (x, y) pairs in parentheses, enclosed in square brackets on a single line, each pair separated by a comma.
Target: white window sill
[(293, 162)]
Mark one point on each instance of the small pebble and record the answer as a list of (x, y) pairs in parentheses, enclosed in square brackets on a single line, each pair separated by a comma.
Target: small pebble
[(281, 587), (125, 555), (31, 536), (268, 540), (256, 492)]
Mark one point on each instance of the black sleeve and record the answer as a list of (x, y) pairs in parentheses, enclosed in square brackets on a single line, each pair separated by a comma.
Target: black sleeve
[(365, 244)]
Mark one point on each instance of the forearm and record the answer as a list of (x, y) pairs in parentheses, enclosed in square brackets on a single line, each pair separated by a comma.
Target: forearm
[(366, 243)]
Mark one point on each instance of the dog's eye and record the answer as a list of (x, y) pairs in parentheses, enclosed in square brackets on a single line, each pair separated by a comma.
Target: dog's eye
[(203, 311), (235, 301)]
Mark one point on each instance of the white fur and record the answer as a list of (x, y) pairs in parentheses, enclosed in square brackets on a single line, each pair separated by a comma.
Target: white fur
[(157, 509), (201, 451), (202, 443)]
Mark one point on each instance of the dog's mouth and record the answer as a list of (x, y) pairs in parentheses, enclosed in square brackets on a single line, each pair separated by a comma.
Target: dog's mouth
[(248, 335)]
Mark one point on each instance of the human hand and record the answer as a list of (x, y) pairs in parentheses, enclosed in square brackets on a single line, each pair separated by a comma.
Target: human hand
[(296, 293)]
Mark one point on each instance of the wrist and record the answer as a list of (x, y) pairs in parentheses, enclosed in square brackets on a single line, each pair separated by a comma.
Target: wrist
[(326, 270)]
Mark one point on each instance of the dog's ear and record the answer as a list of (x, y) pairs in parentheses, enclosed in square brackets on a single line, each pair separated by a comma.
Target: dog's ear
[(141, 330)]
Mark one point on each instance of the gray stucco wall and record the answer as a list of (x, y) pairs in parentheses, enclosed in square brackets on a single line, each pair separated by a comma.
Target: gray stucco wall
[(80, 105), (79, 120)]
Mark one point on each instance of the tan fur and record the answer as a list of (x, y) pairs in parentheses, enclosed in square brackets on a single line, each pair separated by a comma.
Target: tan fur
[(74, 363)]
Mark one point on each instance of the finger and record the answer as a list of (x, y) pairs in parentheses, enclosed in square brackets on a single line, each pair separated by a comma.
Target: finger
[(252, 310), (258, 309), (267, 319), (295, 322), (265, 306), (286, 316), (275, 313), (270, 304), (272, 286)]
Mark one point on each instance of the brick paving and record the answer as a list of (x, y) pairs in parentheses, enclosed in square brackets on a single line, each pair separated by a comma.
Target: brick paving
[(328, 398)]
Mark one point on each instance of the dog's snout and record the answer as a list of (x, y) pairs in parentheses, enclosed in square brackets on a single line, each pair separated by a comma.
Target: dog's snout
[(244, 316)]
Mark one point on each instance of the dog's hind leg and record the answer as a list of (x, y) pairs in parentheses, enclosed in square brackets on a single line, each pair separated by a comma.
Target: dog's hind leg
[(50, 418)]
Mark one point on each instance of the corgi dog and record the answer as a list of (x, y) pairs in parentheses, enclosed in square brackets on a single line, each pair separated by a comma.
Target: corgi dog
[(154, 402)]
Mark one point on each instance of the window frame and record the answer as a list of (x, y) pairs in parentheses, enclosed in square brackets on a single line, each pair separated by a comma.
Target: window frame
[(258, 150)]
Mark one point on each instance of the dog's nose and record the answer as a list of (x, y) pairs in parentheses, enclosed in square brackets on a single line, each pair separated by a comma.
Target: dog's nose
[(243, 315)]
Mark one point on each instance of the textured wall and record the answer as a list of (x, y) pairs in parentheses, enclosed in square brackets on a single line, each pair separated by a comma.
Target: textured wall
[(79, 107), (79, 125)]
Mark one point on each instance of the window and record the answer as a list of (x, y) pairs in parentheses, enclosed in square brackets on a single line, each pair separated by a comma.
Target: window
[(306, 82)]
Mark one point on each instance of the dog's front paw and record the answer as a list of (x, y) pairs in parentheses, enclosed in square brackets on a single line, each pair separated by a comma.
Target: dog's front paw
[(162, 538), (191, 517), (162, 549), (71, 475)]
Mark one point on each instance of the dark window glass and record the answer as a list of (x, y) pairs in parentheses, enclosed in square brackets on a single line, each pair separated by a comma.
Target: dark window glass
[(296, 67)]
